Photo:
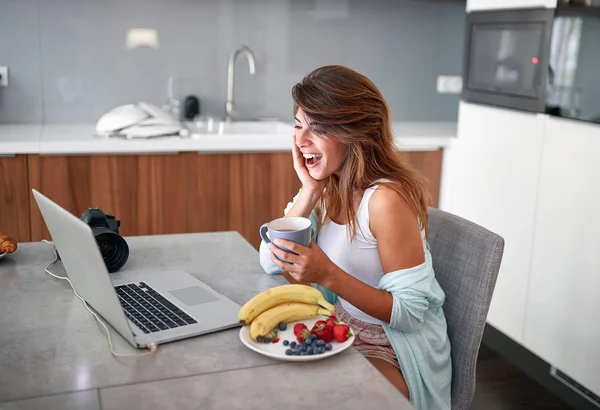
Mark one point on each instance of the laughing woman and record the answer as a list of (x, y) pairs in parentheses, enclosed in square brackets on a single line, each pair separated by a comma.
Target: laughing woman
[(369, 255)]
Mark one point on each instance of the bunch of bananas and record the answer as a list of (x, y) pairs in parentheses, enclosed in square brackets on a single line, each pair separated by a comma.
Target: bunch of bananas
[(286, 303)]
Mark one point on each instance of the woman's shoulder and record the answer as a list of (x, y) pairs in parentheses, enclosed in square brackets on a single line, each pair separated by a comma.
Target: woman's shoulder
[(388, 207), (387, 196)]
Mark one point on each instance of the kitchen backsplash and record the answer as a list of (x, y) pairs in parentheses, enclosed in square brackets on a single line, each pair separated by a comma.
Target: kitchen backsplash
[(72, 60)]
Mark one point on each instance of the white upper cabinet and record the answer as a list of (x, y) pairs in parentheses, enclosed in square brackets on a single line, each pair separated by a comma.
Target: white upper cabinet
[(563, 318), (490, 177), (473, 5)]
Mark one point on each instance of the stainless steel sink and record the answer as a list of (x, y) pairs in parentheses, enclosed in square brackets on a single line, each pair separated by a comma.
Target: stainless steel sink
[(257, 127), (238, 128)]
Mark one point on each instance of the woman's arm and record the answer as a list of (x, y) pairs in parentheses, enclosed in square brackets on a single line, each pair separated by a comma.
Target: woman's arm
[(303, 203), (399, 245)]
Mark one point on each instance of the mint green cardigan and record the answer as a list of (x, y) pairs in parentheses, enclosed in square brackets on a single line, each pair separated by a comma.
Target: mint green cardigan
[(417, 329)]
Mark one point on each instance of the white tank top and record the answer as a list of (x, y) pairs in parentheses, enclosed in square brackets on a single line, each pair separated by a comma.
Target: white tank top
[(358, 258)]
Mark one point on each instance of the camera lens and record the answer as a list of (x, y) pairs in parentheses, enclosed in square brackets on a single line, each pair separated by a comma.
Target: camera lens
[(114, 250)]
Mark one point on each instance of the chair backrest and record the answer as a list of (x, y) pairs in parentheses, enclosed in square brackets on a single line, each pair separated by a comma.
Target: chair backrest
[(466, 259)]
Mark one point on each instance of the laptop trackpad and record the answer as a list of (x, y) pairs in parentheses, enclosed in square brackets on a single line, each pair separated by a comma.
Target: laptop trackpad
[(193, 295)]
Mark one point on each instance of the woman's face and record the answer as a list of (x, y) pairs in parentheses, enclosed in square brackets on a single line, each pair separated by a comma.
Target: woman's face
[(323, 156)]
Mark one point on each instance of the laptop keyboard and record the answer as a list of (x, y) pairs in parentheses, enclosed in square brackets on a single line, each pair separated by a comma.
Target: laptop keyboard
[(149, 310)]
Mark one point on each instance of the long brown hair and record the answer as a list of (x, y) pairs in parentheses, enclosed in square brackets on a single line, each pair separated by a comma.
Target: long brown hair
[(343, 104)]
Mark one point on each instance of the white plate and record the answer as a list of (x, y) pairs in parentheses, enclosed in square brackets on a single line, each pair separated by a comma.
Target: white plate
[(277, 350)]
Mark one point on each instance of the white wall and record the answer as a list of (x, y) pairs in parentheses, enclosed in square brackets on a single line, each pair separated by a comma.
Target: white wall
[(473, 5)]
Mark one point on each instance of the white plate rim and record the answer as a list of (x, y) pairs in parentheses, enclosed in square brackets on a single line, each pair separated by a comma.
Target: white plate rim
[(338, 347)]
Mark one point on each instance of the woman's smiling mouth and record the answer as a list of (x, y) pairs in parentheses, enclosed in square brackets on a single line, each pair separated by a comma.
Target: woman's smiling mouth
[(312, 160)]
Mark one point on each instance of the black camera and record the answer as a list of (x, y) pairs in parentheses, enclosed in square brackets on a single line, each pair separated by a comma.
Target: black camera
[(105, 228)]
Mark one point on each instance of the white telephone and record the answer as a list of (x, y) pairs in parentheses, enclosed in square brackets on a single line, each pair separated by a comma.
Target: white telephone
[(142, 120)]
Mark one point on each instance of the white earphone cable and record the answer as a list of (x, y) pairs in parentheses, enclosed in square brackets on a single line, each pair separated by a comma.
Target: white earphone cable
[(152, 348)]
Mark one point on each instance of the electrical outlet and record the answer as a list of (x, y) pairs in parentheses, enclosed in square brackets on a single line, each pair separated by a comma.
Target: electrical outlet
[(449, 84), (3, 76)]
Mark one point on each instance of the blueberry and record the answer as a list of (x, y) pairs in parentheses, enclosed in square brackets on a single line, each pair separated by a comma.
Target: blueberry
[(267, 340), (328, 347), (285, 342), (308, 341), (296, 353), (321, 350), (303, 354), (289, 352), (310, 350), (282, 326), (320, 343), (292, 345), (302, 348), (313, 337)]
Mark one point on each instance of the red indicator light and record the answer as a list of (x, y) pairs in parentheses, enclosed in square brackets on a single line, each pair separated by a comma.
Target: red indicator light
[(534, 60)]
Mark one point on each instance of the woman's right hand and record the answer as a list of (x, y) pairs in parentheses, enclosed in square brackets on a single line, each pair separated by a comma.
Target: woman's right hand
[(309, 184)]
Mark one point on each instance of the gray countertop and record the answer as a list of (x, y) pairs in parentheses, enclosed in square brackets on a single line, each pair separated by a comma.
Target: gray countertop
[(54, 356), (80, 139)]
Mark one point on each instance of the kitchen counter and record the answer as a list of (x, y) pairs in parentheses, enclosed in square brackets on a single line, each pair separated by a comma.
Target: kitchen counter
[(20, 139), (54, 355), (74, 139)]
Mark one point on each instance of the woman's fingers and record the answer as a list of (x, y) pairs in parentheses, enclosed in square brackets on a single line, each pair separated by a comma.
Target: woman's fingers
[(289, 245), (288, 257)]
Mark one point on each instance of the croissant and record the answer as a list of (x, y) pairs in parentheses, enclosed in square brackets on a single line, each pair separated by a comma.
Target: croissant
[(7, 244)]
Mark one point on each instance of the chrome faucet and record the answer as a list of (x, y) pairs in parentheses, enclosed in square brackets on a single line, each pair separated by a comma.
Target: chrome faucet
[(229, 108)]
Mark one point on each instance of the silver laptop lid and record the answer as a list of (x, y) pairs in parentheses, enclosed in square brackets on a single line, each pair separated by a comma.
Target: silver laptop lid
[(83, 263)]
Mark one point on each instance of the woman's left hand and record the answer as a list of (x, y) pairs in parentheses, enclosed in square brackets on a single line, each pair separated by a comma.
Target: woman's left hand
[(311, 265)]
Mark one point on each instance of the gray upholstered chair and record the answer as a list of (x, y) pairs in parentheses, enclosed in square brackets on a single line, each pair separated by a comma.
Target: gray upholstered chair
[(466, 260)]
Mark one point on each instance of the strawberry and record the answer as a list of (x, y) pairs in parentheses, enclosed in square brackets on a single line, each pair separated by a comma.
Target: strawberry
[(275, 336), (302, 336), (332, 321), (319, 324), (324, 333), (341, 332), (299, 328)]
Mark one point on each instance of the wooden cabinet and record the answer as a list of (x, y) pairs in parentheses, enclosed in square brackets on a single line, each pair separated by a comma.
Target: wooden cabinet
[(430, 164), (162, 194), (561, 326), (14, 197), (238, 192), (180, 193), (142, 191)]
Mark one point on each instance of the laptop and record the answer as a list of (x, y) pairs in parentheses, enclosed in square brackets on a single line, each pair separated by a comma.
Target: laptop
[(144, 308)]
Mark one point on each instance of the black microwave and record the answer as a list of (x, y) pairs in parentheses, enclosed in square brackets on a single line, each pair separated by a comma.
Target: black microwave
[(506, 58), (539, 60)]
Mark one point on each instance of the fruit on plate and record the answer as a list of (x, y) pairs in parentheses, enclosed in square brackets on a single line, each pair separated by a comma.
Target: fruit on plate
[(312, 346), (299, 328), (341, 332), (269, 319), (332, 321), (8, 244), (322, 331), (301, 332), (270, 298)]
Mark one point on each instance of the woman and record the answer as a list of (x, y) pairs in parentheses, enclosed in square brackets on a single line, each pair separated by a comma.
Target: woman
[(369, 214)]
